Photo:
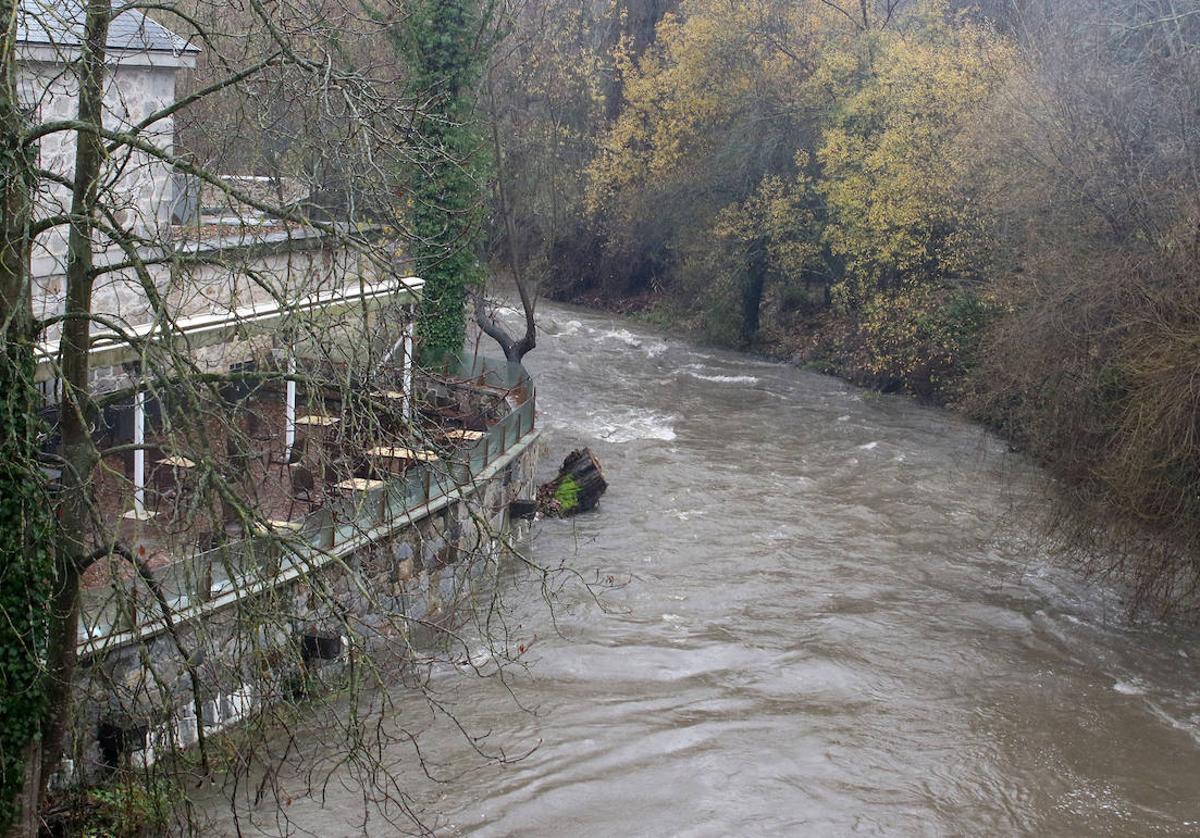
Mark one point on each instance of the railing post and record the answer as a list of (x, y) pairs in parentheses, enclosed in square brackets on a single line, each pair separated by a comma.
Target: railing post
[(407, 380), (139, 452), (289, 432)]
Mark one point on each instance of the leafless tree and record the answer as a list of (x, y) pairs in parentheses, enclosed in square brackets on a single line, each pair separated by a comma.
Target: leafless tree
[(203, 285)]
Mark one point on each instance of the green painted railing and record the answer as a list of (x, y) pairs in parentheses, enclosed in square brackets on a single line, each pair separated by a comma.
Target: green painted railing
[(124, 603)]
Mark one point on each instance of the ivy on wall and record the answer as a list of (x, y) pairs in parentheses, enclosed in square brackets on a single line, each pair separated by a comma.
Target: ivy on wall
[(445, 44), (27, 521), (26, 574)]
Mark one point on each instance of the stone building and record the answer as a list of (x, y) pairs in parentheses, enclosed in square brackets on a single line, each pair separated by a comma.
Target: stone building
[(206, 255), (259, 525), (145, 60)]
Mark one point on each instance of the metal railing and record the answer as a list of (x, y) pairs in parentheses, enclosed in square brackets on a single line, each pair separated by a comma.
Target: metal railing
[(127, 601)]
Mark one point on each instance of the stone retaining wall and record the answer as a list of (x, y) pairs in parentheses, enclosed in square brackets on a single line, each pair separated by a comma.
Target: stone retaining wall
[(379, 597)]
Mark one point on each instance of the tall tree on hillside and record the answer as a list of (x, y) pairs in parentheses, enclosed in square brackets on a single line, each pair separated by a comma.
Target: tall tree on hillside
[(727, 96)]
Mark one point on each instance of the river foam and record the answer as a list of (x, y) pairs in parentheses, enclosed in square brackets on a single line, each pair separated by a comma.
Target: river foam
[(621, 425), (704, 372), (725, 379), (623, 336)]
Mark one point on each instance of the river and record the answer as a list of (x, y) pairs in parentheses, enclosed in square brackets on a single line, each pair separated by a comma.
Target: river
[(828, 615)]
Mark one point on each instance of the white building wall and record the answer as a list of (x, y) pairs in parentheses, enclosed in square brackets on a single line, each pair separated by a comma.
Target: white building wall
[(138, 187)]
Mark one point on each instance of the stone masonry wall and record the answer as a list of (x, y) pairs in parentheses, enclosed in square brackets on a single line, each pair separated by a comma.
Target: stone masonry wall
[(138, 186), (379, 604)]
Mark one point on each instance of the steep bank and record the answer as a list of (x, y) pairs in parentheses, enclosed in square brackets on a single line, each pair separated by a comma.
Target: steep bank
[(995, 211)]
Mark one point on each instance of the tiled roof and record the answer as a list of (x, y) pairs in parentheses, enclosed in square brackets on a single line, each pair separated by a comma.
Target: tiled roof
[(59, 23)]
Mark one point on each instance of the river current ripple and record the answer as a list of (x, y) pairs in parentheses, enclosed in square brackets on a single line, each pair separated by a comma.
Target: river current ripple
[(830, 617)]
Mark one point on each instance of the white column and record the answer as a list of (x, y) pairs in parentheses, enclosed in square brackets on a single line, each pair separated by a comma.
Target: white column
[(139, 453), (289, 420), (408, 365), (391, 353)]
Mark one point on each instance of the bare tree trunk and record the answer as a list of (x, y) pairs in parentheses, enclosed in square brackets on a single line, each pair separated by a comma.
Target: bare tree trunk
[(16, 310), (514, 349), (752, 290), (78, 451)]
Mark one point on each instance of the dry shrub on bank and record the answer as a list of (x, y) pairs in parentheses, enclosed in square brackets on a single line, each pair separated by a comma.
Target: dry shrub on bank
[(1093, 151), (1097, 374)]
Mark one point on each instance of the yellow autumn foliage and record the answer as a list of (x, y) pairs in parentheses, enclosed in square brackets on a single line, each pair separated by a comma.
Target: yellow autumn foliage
[(715, 63), (916, 202), (894, 168), (756, 128), (780, 214), (882, 111)]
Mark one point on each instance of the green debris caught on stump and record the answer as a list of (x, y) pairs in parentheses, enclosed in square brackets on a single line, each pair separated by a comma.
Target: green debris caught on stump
[(577, 488)]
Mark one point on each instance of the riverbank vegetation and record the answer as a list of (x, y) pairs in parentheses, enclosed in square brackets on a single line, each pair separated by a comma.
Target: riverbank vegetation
[(992, 206)]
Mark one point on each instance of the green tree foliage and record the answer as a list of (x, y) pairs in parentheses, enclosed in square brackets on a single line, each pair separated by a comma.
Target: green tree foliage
[(445, 43)]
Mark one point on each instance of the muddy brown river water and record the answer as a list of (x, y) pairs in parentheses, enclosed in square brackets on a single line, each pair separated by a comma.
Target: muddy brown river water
[(833, 621)]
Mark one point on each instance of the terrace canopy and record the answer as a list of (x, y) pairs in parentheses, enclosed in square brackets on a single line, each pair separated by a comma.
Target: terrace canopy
[(111, 348)]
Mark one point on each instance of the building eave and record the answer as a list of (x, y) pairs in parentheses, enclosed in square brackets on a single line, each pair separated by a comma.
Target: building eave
[(109, 349), (31, 52)]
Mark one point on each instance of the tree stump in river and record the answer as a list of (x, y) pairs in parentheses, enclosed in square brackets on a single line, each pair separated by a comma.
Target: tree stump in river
[(577, 488)]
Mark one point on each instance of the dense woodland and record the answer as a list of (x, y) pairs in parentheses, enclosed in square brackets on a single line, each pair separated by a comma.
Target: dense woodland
[(989, 205)]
